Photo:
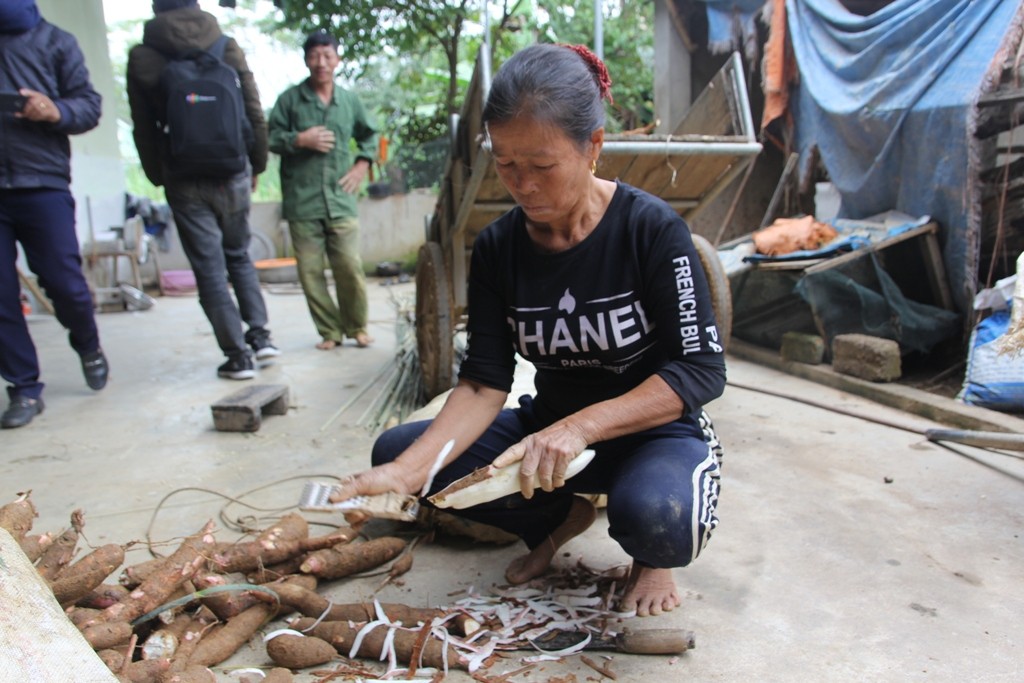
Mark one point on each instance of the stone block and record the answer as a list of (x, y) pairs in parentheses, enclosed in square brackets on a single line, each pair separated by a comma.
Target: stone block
[(802, 348), (871, 358), (243, 410)]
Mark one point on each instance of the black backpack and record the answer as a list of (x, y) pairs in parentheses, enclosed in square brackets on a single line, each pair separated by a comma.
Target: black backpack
[(208, 133)]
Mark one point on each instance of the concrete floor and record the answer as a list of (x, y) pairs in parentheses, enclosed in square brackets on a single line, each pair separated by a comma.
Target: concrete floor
[(849, 549)]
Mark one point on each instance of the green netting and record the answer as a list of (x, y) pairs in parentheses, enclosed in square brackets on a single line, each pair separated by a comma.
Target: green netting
[(879, 309)]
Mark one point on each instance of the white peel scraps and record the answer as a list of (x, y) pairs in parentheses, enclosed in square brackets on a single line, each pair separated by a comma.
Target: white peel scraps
[(490, 483)]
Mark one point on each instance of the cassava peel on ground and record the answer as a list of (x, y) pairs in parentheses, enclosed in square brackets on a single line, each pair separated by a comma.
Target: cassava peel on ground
[(345, 560), (17, 516), (60, 552), (156, 589), (79, 579), (342, 634), (221, 643), (299, 652)]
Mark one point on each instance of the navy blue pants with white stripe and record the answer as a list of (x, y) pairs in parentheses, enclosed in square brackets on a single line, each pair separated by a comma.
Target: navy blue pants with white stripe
[(661, 484), (43, 221)]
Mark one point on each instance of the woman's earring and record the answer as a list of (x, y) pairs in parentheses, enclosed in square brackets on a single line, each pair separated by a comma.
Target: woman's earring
[(593, 167)]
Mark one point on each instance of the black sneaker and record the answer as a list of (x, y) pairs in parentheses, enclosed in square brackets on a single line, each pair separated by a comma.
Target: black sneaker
[(20, 412), (95, 369), (237, 368), (265, 350)]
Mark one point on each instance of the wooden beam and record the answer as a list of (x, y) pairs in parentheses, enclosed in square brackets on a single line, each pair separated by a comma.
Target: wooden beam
[(999, 97)]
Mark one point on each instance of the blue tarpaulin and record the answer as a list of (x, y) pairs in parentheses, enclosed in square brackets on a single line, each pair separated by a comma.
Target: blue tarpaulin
[(731, 23), (888, 100)]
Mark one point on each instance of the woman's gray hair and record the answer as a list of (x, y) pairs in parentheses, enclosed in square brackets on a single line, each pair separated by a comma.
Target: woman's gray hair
[(549, 83)]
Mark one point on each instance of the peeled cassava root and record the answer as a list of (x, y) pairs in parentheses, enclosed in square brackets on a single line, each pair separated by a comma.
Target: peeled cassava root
[(490, 483)]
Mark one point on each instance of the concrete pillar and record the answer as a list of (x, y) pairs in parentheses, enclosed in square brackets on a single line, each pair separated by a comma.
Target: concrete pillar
[(672, 87)]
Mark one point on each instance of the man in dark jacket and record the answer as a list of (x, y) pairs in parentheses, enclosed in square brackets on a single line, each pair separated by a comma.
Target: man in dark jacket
[(45, 66), (212, 214)]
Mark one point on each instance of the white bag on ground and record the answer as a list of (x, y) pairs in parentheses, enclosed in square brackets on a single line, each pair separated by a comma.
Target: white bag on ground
[(40, 644)]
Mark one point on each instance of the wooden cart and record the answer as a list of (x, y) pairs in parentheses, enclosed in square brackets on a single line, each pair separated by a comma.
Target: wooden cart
[(688, 169)]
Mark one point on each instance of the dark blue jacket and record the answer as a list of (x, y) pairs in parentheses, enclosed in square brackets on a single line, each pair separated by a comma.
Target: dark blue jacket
[(46, 59)]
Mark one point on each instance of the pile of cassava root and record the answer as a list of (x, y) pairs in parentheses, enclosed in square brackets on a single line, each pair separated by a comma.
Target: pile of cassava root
[(168, 619)]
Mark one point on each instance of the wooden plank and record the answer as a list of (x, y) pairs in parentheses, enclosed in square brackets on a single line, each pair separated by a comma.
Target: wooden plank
[(696, 176), (857, 253), (491, 188), (1000, 97), (614, 166), (711, 113), (933, 263)]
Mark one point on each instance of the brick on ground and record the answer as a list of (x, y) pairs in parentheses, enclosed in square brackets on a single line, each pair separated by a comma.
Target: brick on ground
[(802, 348), (872, 358)]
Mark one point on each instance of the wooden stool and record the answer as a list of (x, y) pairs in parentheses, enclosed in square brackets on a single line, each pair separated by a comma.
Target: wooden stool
[(243, 410)]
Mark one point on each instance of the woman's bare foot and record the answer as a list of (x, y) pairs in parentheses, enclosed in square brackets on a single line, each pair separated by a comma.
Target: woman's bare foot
[(328, 344), (534, 563), (649, 591), (363, 340)]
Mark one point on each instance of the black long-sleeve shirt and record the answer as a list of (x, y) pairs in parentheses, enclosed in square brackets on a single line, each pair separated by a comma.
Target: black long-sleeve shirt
[(596, 320)]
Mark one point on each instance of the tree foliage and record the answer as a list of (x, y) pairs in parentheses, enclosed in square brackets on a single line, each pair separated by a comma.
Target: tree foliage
[(411, 60)]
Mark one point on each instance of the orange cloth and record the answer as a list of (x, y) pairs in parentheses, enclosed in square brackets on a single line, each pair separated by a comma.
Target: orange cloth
[(778, 68), (787, 235)]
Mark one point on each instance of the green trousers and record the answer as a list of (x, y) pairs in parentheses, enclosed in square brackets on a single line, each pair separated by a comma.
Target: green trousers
[(334, 243)]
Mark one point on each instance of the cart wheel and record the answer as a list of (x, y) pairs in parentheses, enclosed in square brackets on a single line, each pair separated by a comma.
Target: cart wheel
[(434, 321), (718, 282)]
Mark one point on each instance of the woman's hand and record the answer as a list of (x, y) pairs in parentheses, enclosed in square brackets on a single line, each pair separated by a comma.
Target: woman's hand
[(381, 479), (390, 477), (546, 454)]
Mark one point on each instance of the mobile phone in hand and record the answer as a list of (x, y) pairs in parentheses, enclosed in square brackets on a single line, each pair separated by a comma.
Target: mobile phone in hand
[(12, 102)]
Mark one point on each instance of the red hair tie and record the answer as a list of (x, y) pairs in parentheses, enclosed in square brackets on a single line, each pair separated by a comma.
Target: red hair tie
[(597, 67)]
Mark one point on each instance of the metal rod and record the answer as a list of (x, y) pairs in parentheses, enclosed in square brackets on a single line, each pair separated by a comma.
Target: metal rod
[(1007, 440), (678, 147)]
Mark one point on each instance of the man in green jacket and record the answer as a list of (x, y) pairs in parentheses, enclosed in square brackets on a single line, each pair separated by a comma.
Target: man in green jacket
[(311, 127)]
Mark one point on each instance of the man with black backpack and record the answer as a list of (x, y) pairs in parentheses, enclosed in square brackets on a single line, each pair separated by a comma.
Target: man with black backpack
[(200, 132)]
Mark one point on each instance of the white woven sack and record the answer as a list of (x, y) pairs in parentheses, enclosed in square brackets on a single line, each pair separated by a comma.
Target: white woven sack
[(38, 642)]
